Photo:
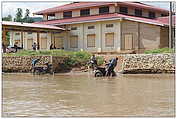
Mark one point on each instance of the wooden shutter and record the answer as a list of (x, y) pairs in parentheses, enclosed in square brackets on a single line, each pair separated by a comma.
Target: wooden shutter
[(29, 44), (43, 41), (109, 39), (74, 42), (91, 40), (128, 38), (59, 42)]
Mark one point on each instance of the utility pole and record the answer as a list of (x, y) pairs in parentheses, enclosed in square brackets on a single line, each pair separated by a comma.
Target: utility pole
[(170, 27)]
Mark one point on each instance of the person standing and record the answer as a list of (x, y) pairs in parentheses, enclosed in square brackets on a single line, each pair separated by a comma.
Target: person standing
[(112, 64), (34, 46)]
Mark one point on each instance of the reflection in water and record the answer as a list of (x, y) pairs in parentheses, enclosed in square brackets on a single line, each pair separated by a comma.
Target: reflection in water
[(84, 95)]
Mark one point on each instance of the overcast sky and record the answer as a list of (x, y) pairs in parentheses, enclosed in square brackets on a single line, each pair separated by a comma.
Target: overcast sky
[(11, 7)]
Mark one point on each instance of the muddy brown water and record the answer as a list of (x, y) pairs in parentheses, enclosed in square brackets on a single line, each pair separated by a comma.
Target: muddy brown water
[(75, 95)]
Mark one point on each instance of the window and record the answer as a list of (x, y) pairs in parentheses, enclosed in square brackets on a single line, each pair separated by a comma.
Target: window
[(138, 12), (30, 32), (123, 10), (85, 12), (17, 34), (43, 35), (51, 17), (151, 15), (91, 40), (103, 10), (128, 41), (67, 14), (74, 42), (163, 15), (91, 27), (73, 28), (43, 41), (59, 42), (109, 25), (109, 39)]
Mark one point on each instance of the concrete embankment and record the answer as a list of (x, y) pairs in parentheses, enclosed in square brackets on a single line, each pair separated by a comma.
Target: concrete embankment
[(129, 63)]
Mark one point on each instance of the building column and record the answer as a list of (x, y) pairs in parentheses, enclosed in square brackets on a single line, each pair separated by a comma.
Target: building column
[(38, 46), (22, 40), (118, 31), (99, 38), (4, 40)]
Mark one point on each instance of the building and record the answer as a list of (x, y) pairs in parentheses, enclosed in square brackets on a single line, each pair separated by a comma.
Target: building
[(106, 26)]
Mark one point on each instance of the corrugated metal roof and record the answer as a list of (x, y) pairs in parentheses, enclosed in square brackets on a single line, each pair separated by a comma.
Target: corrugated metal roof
[(31, 25), (80, 5), (101, 18)]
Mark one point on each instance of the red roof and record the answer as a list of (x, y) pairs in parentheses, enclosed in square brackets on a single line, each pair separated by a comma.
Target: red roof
[(143, 6), (165, 20), (104, 17), (31, 25), (80, 5)]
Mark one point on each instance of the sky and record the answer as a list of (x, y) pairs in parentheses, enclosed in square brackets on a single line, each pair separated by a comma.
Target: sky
[(11, 7)]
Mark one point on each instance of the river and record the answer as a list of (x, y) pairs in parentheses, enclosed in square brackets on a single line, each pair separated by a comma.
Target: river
[(75, 95)]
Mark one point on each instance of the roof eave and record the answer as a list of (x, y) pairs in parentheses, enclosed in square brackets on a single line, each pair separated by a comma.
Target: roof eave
[(90, 21)]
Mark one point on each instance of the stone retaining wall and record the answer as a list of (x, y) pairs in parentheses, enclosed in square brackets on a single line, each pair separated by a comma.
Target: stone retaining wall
[(129, 63), (144, 63), (149, 63), (23, 63)]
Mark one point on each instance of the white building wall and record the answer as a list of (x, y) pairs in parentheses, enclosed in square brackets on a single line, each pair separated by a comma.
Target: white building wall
[(117, 33), (79, 33), (100, 31)]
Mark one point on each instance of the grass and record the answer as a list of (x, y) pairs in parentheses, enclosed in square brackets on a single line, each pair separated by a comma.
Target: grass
[(75, 58), (159, 51)]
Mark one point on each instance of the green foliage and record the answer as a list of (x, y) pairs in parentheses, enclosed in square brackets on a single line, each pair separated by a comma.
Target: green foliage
[(19, 15), (8, 18), (27, 18), (8, 36), (100, 60), (79, 58), (161, 50)]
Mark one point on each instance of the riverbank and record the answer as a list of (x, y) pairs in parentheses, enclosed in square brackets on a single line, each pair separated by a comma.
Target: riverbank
[(127, 63)]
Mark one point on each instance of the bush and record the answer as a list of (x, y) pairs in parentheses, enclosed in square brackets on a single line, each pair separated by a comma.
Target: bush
[(77, 58), (160, 50), (100, 60)]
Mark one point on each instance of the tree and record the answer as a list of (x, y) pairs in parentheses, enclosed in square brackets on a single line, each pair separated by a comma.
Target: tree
[(8, 18), (27, 18), (19, 15)]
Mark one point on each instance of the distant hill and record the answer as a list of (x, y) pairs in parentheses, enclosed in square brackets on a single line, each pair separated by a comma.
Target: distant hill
[(36, 19)]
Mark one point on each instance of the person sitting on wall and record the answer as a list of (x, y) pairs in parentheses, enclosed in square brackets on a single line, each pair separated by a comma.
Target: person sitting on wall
[(34, 46), (112, 64)]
